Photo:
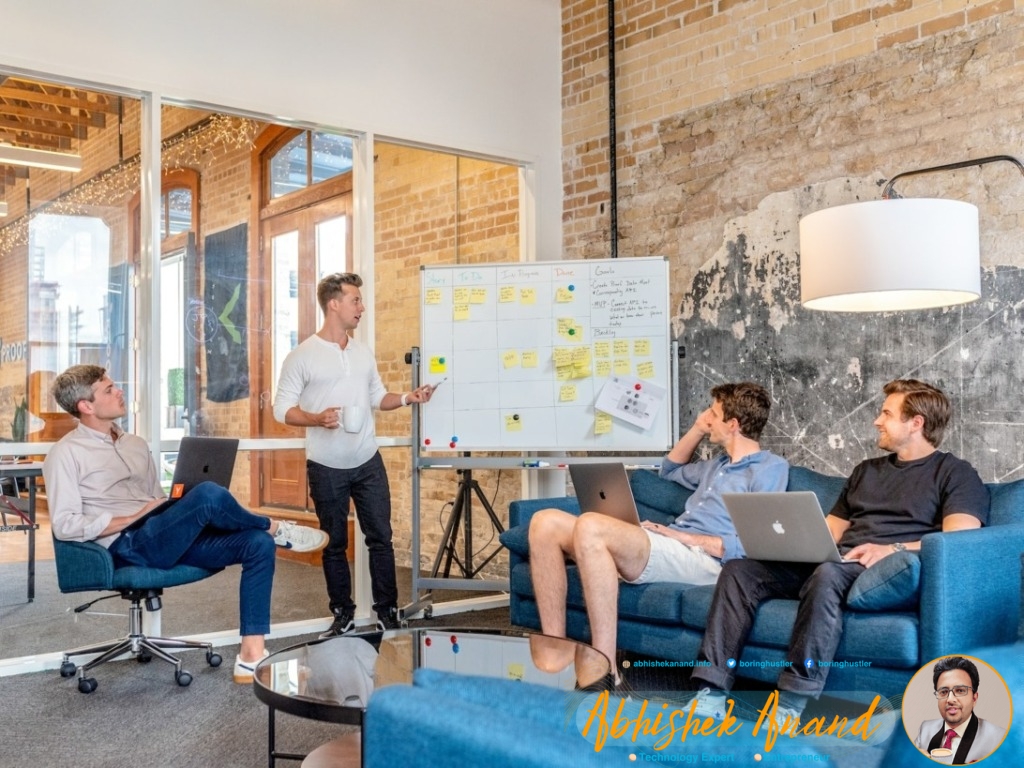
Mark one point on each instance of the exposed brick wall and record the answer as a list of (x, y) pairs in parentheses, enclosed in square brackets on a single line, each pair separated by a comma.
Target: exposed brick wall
[(776, 121), (715, 114), (433, 209)]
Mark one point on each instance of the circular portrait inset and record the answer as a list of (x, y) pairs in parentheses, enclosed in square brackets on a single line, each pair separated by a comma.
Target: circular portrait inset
[(956, 709)]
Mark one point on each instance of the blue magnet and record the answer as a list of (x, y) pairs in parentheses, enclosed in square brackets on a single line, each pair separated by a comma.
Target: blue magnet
[(572, 287)]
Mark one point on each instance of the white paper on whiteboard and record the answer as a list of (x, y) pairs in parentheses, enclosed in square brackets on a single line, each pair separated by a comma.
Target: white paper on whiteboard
[(632, 400)]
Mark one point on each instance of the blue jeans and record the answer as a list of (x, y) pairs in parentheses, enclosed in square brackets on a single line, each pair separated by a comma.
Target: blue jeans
[(207, 528), (744, 584), (366, 485)]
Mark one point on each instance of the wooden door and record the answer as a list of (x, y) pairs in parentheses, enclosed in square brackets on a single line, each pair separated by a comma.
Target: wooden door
[(297, 249)]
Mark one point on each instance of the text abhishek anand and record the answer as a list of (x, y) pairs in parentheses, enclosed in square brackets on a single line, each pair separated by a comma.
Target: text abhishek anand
[(667, 726)]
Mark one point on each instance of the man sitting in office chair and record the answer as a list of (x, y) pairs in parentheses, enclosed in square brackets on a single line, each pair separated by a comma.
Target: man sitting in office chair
[(101, 479)]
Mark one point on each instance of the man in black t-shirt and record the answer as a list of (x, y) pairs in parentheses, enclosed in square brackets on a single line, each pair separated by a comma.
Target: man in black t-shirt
[(887, 505)]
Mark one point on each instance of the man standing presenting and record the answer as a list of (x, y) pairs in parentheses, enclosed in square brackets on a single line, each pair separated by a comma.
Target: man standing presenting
[(326, 374), (690, 550), (967, 737), (887, 505), (101, 479)]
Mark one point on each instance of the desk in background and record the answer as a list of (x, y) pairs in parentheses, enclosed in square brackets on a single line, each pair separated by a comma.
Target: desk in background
[(25, 514)]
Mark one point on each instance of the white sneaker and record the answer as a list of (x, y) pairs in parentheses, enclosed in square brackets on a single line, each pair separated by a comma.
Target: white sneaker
[(710, 704), (299, 538), (781, 713), (244, 669)]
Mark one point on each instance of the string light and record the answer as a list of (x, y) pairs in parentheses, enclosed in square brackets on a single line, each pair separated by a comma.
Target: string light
[(196, 146)]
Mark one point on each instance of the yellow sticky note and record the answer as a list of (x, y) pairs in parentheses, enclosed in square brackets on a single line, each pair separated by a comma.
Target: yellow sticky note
[(621, 347), (581, 371), (622, 366), (602, 423), (563, 372), (527, 295), (438, 365), (567, 393), (433, 296), (562, 356), (460, 296), (478, 296), (642, 347), (529, 358), (506, 294), (645, 370), (460, 312), (563, 296), (604, 368), (510, 358), (581, 356), (516, 671), (568, 329), (603, 348), (513, 423)]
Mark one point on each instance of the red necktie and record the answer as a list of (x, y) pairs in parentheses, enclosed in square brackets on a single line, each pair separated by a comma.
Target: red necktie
[(948, 743)]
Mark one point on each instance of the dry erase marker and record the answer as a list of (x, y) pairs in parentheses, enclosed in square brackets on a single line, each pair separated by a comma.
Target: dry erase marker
[(433, 387)]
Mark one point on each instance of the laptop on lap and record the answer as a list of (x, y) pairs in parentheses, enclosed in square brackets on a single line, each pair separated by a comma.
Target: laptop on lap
[(200, 459), (787, 526), (604, 488)]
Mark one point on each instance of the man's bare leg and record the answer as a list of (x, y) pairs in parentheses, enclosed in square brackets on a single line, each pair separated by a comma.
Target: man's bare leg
[(606, 548), (550, 543)]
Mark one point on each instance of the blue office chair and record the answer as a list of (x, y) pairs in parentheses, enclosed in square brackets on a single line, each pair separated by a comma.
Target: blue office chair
[(86, 566)]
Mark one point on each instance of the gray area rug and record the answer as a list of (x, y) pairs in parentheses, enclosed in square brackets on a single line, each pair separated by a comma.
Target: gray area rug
[(50, 624)]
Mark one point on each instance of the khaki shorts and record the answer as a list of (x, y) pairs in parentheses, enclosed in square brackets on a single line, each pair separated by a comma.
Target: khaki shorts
[(671, 560)]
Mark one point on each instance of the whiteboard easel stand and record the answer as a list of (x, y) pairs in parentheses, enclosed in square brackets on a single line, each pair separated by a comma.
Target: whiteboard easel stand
[(422, 588)]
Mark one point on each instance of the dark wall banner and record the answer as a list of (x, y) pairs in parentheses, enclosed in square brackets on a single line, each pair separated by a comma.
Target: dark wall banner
[(225, 315)]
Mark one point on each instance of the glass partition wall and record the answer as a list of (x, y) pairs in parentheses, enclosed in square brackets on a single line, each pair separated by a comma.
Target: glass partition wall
[(251, 215)]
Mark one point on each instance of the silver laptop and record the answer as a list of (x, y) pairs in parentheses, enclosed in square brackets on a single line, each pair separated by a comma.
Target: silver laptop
[(787, 526), (604, 488), (199, 459)]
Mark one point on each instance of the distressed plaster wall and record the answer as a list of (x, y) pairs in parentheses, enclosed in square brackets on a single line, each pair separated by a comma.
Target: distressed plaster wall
[(742, 319), (719, 188)]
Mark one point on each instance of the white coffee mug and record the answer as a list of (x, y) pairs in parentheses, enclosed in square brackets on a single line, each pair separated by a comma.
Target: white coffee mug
[(352, 417)]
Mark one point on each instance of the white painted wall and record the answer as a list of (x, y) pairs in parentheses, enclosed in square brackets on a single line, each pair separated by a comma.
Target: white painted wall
[(482, 76)]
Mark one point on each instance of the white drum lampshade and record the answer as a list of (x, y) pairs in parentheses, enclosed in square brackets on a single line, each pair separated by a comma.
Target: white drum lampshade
[(889, 255)]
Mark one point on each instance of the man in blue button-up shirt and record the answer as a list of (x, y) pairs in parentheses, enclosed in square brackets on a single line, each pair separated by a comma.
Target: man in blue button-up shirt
[(690, 550)]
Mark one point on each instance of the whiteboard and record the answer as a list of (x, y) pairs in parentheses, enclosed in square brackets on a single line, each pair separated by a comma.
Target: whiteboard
[(561, 355)]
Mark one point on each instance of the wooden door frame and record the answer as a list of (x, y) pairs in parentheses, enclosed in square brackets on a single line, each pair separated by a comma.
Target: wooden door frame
[(263, 208)]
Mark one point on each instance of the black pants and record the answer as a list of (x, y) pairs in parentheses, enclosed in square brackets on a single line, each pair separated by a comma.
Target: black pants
[(366, 485), (743, 585)]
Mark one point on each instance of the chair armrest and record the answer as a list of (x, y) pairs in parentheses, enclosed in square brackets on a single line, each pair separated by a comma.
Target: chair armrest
[(521, 510), (83, 566), (970, 588)]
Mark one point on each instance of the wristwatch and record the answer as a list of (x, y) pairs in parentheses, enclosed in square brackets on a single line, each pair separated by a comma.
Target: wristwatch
[(899, 546)]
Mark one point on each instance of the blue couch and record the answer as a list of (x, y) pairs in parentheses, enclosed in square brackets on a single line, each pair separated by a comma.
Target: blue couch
[(908, 612)]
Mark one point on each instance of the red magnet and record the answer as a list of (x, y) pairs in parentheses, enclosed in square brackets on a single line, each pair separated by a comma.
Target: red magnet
[(636, 386)]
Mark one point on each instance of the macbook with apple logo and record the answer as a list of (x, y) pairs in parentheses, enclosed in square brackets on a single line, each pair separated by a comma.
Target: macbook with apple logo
[(604, 487), (787, 526)]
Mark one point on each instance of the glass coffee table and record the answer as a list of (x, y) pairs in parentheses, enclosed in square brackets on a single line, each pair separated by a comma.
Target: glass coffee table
[(332, 679)]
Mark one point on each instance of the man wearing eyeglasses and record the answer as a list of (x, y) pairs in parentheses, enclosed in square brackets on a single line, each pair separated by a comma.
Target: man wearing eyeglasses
[(960, 735)]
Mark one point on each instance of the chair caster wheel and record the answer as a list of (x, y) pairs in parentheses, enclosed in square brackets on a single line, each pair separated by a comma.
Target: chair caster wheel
[(213, 659), (68, 669), (183, 678), (144, 657), (87, 684)]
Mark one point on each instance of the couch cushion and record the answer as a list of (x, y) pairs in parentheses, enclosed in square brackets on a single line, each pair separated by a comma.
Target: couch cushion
[(1007, 502), (657, 499), (891, 584), (517, 539), (826, 487)]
